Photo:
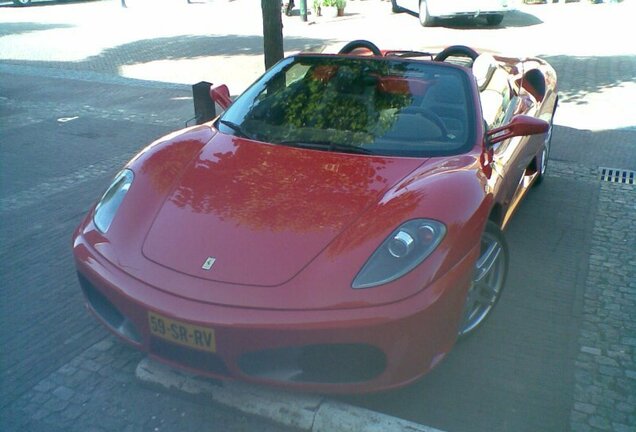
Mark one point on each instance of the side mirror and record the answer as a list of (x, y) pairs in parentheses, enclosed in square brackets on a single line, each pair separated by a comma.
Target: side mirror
[(221, 95), (520, 125)]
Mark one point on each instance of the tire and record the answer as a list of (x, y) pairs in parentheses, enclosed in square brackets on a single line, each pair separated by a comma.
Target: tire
[(494, 20), (541, 160), (541, 163), (425, 18), (491, 269), (21, 2)]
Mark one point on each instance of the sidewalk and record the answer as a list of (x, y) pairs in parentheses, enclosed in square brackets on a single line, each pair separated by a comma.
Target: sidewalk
[(307, 413), (186, 43)]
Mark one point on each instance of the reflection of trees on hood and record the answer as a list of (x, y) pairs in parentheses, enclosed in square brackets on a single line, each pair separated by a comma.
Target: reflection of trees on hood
[(166, 161), (387, 215), (264, 187)]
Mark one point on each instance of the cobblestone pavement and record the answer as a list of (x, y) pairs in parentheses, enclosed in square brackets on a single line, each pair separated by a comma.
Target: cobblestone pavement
[(84, 381), (605, 382), (85, 395), (605, 376), (60, 369)]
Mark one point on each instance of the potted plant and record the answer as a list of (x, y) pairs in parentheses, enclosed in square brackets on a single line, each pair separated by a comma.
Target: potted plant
[(331, 8), (340, 5)]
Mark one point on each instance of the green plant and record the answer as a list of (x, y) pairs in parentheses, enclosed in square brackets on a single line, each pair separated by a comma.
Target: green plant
[(340, 4)]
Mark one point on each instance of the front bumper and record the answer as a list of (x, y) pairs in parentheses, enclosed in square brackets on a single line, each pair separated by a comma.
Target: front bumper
[(331, 351)]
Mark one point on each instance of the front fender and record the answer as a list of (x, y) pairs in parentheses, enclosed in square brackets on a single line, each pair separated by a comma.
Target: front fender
[(450, 191)]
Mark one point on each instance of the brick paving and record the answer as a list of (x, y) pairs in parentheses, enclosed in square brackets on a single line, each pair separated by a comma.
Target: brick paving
[(604, 381), (605, 375), (60, 371), (97, 392), (94, 390)]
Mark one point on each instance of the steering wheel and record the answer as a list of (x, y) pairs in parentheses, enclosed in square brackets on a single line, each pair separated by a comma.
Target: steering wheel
[(360, 43), (429, 115), (457, 51)]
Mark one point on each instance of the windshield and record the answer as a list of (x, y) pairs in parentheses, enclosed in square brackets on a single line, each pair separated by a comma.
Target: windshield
[(354, 104)]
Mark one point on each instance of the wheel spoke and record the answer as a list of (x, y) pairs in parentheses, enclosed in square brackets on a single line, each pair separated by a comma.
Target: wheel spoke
[(488, 279), (471, 299), (487, 261), (487, 293)]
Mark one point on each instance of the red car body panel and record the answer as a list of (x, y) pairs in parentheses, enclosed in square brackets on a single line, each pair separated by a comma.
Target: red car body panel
[(266, 208), (454, 193), (290, 229), (245, 330)]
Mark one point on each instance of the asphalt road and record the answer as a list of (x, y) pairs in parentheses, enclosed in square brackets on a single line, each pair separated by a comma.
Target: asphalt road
[(67, 125)]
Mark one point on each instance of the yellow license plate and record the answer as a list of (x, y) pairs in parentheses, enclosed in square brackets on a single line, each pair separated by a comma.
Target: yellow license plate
[(200, 338)]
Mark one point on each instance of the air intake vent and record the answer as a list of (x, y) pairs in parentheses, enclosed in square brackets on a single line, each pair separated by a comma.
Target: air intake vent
[(615, 175)]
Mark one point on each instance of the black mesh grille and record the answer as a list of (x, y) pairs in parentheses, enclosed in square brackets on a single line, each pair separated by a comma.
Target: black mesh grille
[(199, 360), (100, 303), (337, 363)]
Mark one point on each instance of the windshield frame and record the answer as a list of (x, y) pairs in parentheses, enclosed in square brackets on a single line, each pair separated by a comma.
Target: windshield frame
[(246, 102)]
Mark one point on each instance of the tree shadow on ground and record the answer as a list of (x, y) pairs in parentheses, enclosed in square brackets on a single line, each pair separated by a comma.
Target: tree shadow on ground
[(7, 29), (593, 149), (177, 48), (579, 76), (46, 3)]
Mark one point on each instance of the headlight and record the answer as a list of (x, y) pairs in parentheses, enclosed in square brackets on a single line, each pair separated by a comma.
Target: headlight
[(401, 252), (111, 200)]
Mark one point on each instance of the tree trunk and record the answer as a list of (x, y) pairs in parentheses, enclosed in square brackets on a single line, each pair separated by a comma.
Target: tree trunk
[(272, 32)]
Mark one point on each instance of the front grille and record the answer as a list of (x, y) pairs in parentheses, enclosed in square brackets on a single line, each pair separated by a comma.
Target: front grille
[(198, 360), (328, 363), (107, 311)]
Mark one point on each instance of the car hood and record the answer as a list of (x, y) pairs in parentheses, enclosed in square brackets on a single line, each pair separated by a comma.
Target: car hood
[(250, 213)]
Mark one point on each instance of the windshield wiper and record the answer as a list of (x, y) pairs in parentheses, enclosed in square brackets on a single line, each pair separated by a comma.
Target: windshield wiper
[(326, 145), (236, 128), (350, 149)]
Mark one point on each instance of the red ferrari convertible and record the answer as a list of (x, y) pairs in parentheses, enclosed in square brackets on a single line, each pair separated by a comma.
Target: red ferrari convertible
[(335, 229)]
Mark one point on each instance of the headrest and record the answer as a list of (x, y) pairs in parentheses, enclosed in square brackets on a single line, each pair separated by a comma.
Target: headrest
[(484, 67)]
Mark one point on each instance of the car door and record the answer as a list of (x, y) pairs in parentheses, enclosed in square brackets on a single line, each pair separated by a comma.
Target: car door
[(510, 157)]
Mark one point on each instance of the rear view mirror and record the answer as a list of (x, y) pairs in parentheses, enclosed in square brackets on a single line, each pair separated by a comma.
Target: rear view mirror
[(520, 125), (221, 95)]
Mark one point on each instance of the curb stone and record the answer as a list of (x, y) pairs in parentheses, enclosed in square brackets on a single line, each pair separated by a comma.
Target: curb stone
[(304, 412)]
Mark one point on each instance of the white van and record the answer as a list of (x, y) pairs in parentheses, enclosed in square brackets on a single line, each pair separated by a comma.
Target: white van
[(431, 10)]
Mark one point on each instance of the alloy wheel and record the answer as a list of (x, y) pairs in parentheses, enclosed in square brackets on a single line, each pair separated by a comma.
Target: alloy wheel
[(488, 280)]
